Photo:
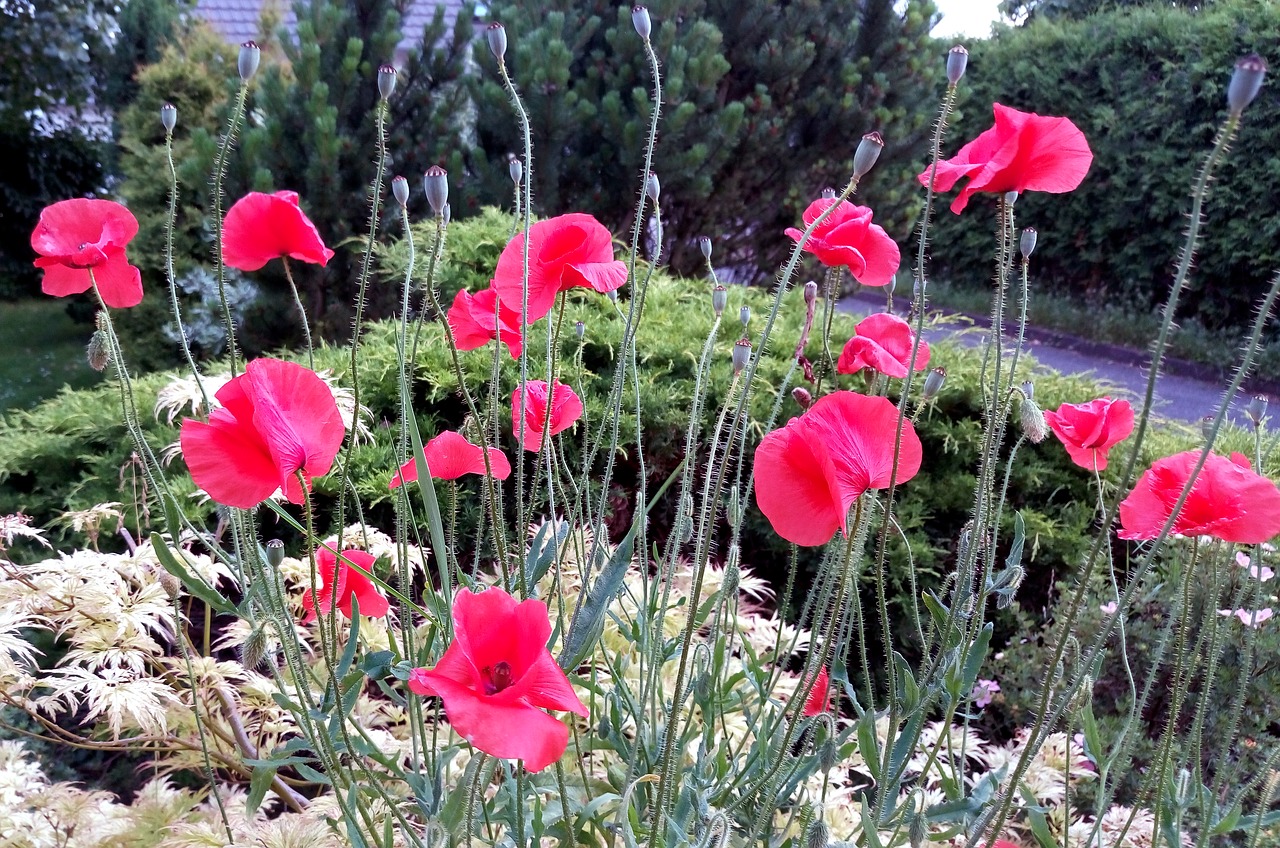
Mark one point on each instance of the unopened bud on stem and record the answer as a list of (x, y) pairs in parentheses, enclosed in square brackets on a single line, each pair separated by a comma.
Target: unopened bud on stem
[(810, 293), (640, 20), (99, 351), (275, 552), (1256, 408), (957, 61), (579, 329), (386, 82), (514, 168), (247, 64), (744, 315), (1034, 427), (168, 117), (496, 35), (933, 383), (864, 158), (802, 397), (435, 182), (1246, 81), (652, 187)]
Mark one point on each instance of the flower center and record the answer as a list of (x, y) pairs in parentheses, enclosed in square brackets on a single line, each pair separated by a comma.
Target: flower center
[(497, 678)]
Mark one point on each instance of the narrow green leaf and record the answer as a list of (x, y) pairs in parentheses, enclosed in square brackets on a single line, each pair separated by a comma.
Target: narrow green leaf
[(259, 783), (172, 563), (588, 623)]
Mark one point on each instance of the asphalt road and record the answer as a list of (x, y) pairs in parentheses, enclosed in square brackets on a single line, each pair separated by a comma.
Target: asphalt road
[(1181, 394)]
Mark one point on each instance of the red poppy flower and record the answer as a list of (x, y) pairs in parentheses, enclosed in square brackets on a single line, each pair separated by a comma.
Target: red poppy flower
[(566, 409), (1089, 430), (1228, 500), (808, 473), (497, 677), (473, 323), (277, 418), (341, 584), (818, 701), (73, 236), (260, 227), (883, 342), (570, 251), (847, 237), (449, 456), (1022, 152)]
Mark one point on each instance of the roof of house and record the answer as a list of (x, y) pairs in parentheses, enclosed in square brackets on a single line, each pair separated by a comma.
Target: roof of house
[(238, 20)]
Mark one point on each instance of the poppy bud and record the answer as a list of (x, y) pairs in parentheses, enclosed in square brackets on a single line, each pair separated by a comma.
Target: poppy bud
[(400, 191), (275, 552), (1028, 389), (1182, 789), (957, 61), (1246, 80), (733, 511), (1256, 408), (864, 158), (732, 575), (98, 352), (744, 315), (580, 329), (918, 830), (819, 835), (704, 244), (172, 586), (652, 187), (1083, 696), (496, 35), (640, 20), (719, 297), (741, 353), (514, 168), (253, 650), (802, 397), (933, 382), (1010, 198), (828, 193), (810, 293), (247, 64), (1034, 427), (386, 82), (1027, 244), (168, 117), (1206, 427), (613, 295), (435, 182)]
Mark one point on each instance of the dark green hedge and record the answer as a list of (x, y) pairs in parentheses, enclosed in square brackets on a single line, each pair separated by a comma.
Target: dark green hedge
[(1148, 88)]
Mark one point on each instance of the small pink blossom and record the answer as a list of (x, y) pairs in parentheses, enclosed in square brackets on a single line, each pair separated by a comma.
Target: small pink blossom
[(1252, 618), (1109, 608), (1257, 572), (983, 692), (1085, 762)]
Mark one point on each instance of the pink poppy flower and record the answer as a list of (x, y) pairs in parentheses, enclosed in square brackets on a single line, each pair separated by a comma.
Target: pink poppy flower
[(449, 456), (473, 323), (1090, 430), (341, 584), (527, 421), (569, 251), (261, 227), (882, 342), (1228, 500), (847, 237), (74, 236)]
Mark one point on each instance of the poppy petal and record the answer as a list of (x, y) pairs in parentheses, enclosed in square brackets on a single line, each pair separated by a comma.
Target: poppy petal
[(228, 460), (603, 277), (119, 283), (791, 485), (260, 227), (61, 281), (515, 731)]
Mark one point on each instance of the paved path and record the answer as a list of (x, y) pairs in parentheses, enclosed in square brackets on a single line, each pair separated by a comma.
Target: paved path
[(1181, 394)]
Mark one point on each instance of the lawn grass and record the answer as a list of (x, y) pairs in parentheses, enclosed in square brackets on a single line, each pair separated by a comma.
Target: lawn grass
[(41, 350)]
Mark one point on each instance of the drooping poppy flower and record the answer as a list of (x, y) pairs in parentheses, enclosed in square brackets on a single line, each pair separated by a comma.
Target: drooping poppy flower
[(1228, 500), (1089, 430), (809, 472), (1022, 152), (497, 677), (570, 251), (74, 236), (818, 700), (275, 419), (473, 323), (847, 237), (882, 342), (261, 227), (449, 456), (341, 584), (527, 420)]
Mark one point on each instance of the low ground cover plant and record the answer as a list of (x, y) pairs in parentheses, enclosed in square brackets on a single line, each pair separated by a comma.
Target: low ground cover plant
[(486, 574)]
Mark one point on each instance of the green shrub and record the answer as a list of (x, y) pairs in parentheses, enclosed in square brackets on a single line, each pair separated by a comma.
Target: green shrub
[(1147, 86)]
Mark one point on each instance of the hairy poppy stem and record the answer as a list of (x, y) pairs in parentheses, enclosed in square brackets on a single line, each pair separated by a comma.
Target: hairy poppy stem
[(302, 318), (170, 221), (219, 174)]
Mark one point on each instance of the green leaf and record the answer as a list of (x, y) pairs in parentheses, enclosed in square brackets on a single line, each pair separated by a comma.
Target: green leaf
[(193, 584), (542, 552), (1019, 537), (353, 640), (977, 655), (588, 621), (1228, 822), (868, 745), (259, 783)]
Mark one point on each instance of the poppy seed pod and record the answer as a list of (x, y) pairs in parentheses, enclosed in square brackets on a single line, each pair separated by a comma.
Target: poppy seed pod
[(719, 298), (496, 35), (652, 187), (744, 315), (247, 64), (386, 82), (400, 191), (1010, 197), (1027, 244), (640, 20), (253, 650), (864, 158), (741, 353), (828, 193), (1256, 408), (933, 382), (1246, 80), (275, 552), (435, 182), (579, 329), (1028, 389), (802, 397), (515, 169), (168, 117), (810, 293), (172, 586), (819, 835), (1206, 427), (957, 61), (704, 244)]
